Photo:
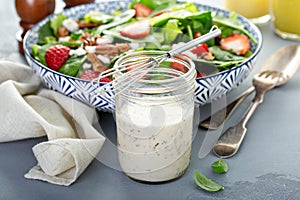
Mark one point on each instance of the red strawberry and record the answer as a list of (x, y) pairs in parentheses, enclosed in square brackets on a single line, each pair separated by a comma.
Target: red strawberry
[(105, 79), (200, 74), (238, 44), (135, 30), (142, 10), (178, 66), (200, 49), (56, 56), (90, 75)]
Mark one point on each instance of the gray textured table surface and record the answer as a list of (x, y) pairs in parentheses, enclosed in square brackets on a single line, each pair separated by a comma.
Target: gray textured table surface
[(266, 167)]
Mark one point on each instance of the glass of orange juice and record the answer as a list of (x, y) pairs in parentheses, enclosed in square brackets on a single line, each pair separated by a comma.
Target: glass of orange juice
[(255, 10), (286, 18)]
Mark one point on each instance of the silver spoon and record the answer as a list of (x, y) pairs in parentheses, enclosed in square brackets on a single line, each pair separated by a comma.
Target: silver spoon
[(285, 56), (278, 69)]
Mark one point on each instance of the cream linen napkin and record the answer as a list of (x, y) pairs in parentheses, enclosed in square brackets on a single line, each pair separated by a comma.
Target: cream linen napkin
[(28, 110)]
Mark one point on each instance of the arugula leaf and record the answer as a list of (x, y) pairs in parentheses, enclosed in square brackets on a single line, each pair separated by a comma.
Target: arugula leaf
[(220, 166), (206, 183), (72, 65), (56, 22)]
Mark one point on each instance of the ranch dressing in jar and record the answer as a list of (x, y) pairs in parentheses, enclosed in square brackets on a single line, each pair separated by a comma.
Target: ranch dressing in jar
[(154, 118)]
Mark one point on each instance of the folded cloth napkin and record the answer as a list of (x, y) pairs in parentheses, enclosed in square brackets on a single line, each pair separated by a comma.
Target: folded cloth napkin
[(29, 110)]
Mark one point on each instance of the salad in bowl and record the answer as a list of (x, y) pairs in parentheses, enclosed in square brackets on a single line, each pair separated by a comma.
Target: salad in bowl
[(69, 50)]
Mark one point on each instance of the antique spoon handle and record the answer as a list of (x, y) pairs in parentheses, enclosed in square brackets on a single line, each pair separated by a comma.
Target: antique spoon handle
[(217, 119), (230, 141)]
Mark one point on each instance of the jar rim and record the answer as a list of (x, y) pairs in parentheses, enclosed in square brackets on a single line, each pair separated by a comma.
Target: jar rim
[(182, 59)]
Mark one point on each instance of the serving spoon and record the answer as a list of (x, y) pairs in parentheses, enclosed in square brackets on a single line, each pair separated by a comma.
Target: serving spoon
[(277, 70)]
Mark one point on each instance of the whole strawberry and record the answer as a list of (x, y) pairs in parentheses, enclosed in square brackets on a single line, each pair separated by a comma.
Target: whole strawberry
[(56, 56)]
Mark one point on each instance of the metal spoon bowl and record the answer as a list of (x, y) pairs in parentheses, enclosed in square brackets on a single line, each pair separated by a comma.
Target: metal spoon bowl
[(278, 62), (277, 70)]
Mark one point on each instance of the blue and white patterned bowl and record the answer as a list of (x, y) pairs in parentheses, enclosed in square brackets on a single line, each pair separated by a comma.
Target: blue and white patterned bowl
[(208, 88)]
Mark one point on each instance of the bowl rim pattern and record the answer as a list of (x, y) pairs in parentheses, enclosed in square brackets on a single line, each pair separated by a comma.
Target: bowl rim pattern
[(209, 88)]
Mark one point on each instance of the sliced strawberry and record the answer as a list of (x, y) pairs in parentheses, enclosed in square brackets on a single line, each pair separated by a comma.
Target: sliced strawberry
[(56, 56), (200, 74), (90, 75), (106, 79), (142, 10), (178, 66), (200, 49), (238, 44), (135, 30)]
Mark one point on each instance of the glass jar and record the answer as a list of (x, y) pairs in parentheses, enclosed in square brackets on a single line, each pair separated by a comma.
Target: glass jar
[(154, 118), (286, 18), (255, 10)]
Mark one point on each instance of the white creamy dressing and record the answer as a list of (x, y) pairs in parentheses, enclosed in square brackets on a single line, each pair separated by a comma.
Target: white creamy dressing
[(154, 141)]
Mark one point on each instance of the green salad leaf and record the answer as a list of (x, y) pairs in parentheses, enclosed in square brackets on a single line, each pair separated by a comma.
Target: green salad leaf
[(44, 32), (97, 17), (206, 183), (232, 23), (220, 166), (56, 22), (222, 55), (153, 4), (171, 30), (189, 6), (72, 65)]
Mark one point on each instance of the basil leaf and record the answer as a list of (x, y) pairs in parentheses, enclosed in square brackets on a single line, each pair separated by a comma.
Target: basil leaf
[(220, 166), (206, 183)]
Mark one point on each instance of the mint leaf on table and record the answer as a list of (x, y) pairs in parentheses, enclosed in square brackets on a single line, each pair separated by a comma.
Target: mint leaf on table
[(220, 166), (206, 183)]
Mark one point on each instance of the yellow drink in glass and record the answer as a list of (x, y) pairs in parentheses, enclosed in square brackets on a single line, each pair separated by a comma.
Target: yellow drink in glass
[(286, 18), (255, 10)]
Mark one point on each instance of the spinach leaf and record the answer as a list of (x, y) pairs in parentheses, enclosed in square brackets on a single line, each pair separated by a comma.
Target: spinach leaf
[(220, 65), (234, 24), (222, 55), (220, 166), (206, 183), (72, 65), (44, 32), (187, 22), (40, 52)]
